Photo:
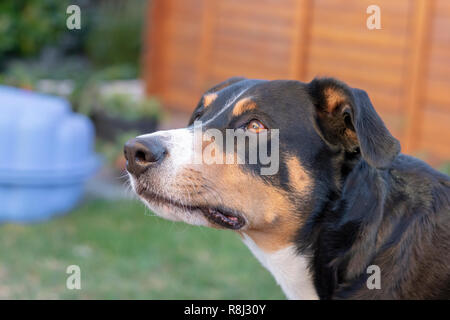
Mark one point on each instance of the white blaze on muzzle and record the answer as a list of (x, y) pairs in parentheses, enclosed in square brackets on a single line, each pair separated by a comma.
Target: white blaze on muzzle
[(180, 148)]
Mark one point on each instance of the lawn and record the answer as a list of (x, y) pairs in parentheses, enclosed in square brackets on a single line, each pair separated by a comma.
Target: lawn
[(125, 252)]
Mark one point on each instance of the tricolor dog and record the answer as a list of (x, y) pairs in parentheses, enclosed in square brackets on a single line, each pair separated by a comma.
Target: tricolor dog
[(342, 198)]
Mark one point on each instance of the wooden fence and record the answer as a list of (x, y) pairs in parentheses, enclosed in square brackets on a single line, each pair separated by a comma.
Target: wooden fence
[(404, 66)]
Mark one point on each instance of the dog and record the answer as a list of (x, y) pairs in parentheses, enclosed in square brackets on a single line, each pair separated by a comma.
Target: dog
[(343, 207)]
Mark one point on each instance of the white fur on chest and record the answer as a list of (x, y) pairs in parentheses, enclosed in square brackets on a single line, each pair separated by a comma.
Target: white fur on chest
[(289, 269)]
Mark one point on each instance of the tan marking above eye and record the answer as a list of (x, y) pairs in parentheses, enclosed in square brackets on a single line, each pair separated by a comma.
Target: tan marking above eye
[(208, 99), (242, 106)]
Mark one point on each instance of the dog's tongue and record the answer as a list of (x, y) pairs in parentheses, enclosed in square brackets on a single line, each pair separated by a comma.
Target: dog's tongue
[(219, 216)]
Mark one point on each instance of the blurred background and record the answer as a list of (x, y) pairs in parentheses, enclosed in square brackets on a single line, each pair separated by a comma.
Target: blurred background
[(137, 66)]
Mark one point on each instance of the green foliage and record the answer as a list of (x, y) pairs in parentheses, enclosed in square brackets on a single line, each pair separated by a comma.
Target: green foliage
[(87, 98), (111, 33), (18, 75), (27, 25), (116, 71), (115, 33), (125, 107)]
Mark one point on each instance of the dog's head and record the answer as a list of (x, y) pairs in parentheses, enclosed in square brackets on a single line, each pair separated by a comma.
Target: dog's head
[(256, 154)]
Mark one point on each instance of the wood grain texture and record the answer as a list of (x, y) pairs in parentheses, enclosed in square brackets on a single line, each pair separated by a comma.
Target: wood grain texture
[(404, 67)]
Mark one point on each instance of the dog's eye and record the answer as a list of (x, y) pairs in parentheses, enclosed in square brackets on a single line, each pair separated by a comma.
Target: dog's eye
[(255, 126)]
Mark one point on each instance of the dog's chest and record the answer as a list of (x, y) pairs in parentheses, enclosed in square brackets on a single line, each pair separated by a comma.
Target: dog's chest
[(289, 269)]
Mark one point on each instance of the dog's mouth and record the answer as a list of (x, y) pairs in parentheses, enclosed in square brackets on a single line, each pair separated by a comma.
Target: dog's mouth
[(223, 218), (218, 215)]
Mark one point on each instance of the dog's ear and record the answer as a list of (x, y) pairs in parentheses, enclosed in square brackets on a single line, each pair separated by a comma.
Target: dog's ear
[(346, 118)]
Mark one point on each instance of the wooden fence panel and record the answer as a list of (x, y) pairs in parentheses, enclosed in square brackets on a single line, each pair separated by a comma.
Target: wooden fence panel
[(405, 66), (432, 130), (342, 46)]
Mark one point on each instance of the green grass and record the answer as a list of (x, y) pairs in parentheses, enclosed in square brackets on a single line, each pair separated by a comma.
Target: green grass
[(125, 252)]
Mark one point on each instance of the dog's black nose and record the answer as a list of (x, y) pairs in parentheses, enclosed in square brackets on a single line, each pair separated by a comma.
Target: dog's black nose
[(141, 153)]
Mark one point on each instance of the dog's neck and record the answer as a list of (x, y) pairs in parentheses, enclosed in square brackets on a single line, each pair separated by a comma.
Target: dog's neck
[(289, 269)]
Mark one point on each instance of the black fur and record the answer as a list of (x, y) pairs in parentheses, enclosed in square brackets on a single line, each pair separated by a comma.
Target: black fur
[(388, 210), (370, 205)]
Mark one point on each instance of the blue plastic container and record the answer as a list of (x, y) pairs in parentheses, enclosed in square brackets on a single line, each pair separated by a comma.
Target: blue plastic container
[(46, 155)]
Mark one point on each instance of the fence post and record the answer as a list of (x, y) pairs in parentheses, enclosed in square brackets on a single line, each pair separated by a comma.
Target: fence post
[(417, 64), (209, 14), (300, 37), (154, 46)]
